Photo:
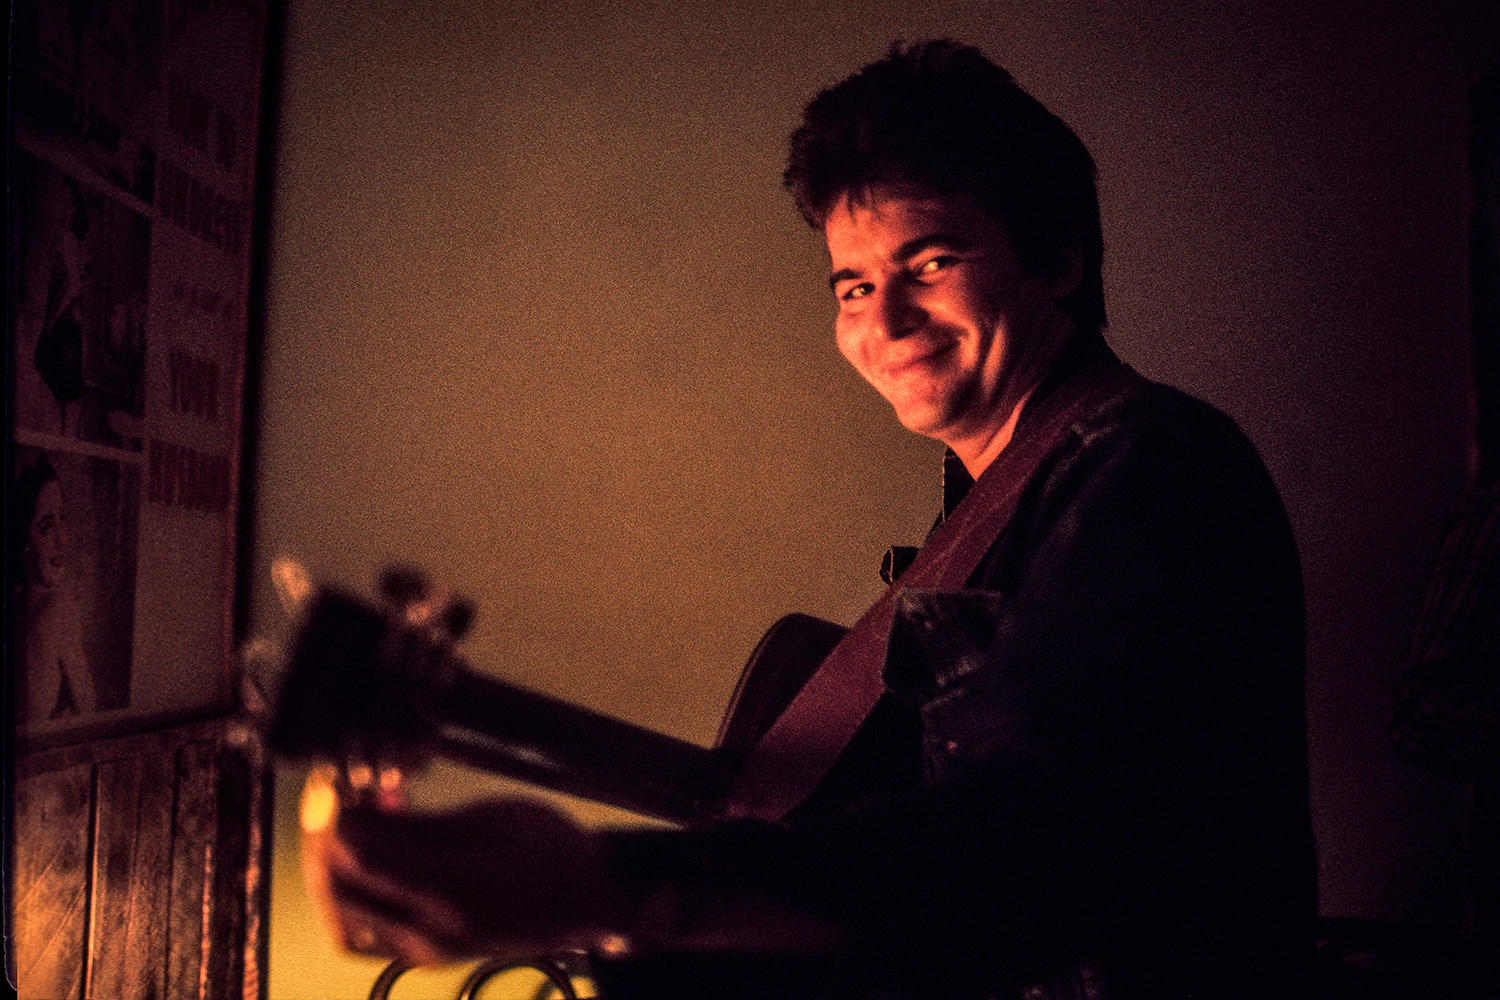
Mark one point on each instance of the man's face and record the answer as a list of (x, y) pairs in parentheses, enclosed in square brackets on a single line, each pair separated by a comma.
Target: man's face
[(937, 314)]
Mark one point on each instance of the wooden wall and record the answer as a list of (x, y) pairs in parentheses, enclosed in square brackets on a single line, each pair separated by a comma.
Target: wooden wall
[(138, 867)]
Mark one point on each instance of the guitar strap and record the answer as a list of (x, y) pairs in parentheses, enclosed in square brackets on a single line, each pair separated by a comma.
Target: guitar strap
[(793, 756)]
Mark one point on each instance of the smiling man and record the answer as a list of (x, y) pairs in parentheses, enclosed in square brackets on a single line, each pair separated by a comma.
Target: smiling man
[(937, 313), (1063, 757)]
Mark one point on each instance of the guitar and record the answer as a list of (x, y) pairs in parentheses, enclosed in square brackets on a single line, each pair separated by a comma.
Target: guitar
[(363, 678), (380, 681)]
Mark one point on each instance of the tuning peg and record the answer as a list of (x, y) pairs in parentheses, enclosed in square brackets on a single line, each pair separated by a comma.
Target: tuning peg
[(403, 586), (458, 617), (293, 585)]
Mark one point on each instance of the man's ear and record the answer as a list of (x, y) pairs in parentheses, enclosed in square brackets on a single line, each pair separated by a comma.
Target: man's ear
[(1067, 271)]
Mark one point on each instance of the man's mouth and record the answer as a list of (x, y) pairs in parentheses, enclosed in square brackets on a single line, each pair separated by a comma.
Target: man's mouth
[(923, 357)]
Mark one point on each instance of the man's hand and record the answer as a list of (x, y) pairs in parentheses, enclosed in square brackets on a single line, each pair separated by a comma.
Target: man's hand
[(503, 878)]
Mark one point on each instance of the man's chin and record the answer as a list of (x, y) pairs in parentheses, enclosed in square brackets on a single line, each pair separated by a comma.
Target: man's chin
[(928, 421)]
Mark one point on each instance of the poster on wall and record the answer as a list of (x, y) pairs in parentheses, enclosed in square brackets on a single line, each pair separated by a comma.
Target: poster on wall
[(132, 190)]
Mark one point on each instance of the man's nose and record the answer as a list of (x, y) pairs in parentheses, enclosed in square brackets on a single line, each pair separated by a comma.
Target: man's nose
[(897, 312)]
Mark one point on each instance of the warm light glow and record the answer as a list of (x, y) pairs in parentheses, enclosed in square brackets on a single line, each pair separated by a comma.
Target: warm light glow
[(613, 946), (320, 801), (361, 776), (292, 583)]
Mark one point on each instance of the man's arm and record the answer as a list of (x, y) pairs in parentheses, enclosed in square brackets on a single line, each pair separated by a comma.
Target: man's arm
[(513, 878)]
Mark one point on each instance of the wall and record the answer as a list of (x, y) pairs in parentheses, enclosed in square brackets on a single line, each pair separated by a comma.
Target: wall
[(541, 320)]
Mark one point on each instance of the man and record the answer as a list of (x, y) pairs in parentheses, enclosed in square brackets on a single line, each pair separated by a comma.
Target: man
[(1081, 771)]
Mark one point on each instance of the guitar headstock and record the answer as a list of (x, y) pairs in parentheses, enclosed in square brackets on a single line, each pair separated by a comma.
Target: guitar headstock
[(359, 675), (375, 688)]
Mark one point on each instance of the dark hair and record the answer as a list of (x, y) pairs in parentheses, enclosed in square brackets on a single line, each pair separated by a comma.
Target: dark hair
[(941, 118)]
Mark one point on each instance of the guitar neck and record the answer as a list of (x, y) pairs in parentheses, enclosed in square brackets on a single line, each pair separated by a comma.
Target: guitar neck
[(499, 727), (358, 688)]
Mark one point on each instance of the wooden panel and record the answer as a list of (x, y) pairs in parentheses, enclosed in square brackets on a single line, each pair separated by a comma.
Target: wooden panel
[(51, 881), (132, 854), (193, 831), (139, 864), (215, 876), (224, 964), (254, 942)]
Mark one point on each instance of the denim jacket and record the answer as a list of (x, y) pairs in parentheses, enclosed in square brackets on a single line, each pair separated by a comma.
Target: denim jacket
[(1090, 763)]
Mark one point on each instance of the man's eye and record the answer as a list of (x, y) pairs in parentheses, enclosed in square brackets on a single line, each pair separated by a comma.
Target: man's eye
[(856, 291), (935, 264)]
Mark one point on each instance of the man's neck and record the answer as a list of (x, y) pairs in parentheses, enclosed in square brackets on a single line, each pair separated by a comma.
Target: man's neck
[(977, 454), (1076, 353)]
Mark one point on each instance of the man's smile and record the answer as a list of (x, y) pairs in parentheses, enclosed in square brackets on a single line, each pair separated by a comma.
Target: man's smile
[(923, 357)]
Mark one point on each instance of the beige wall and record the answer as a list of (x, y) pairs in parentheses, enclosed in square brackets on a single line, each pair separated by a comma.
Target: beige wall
[(541, 319)]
